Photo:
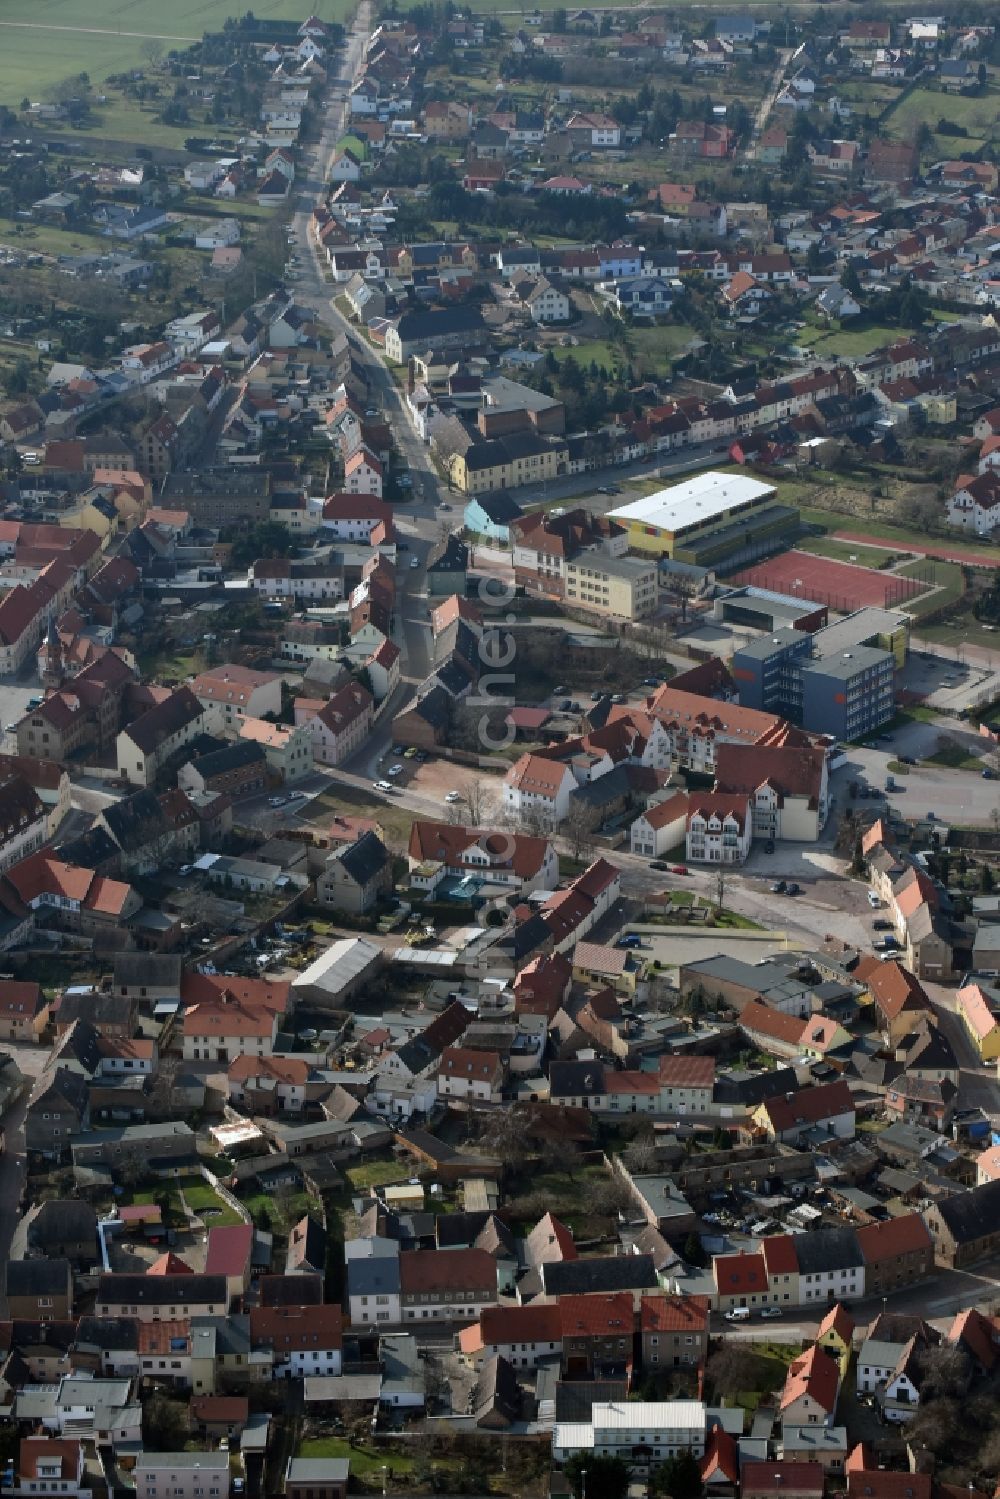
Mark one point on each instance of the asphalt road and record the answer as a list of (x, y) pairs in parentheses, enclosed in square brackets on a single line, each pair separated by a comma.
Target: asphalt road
[(31, 1060)]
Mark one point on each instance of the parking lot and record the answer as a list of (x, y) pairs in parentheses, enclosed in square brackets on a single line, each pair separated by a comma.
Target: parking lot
[(949, 685), (14, 699)]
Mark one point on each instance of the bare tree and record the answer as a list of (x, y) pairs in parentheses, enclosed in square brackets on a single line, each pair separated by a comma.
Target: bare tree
[(944, 1372), (152, 51), (474, 797), (737, 1367), (578, 828), (160, 1100)]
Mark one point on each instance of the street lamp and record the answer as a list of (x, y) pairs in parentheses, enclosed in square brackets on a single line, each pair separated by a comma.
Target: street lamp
[(583, 1483)]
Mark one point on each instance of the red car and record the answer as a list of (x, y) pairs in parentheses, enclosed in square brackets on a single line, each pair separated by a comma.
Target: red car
[(679, 869)]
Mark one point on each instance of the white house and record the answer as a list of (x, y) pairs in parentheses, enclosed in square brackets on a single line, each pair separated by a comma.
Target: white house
[(546, 303), (204, 175), (537, 790), (719, 828), (661, 828), (339, 726), (363, 473), (469, 1075), (373, 1281), (640, 1431), (218, 236), (975, 502)]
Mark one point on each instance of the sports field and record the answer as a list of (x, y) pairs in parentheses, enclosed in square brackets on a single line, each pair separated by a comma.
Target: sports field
[(839, 585)]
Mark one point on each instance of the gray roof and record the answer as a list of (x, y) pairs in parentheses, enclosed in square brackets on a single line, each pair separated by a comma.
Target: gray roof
[(828, 1249), (363, 859), (972, 1215), (38, 1277), (163, 1290), (317, 1470), (626, 1272)]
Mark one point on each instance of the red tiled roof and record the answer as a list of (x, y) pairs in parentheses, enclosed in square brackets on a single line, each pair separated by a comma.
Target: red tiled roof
[(779, 1254), (422, 1270), (600, 1316), (884, 1241), (781, 1477), (674, 1313), (739, 1274), (839, 1321), (229, 1249), (809, 1106), (290, 1329), (814, 1374), (36, 1449), (521, 1324)]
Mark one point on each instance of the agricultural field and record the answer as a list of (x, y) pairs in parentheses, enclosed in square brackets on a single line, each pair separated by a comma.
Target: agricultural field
[(44, 41)]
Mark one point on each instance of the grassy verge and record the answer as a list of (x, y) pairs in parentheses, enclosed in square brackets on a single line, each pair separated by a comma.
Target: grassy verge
[(954, 756)]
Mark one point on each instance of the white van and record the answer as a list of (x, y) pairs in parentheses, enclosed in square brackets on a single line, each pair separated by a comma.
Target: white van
[(738, 1314)]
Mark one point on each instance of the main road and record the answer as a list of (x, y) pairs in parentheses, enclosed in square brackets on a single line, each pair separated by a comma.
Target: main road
[(419, 522)]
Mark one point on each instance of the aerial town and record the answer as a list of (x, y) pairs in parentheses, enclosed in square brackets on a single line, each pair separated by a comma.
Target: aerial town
[(499, 751)]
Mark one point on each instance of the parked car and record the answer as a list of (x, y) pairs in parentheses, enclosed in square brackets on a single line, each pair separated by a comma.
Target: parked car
[(382, 785), (779, 887), (660, 864), (394, 770), (770, 1311), (414, 562), (793, 889), (453, 796), (769, 846), (906, 759), (679, 869), (881, 925), (276, 801), (874, 901)]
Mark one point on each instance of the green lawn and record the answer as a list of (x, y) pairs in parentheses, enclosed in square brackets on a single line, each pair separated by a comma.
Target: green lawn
[(45, 41), (843, 551), (365, 1461), (898, 536), (943, 578), (849, 342), (376, 1174), (202, 1200), (278, 1212), (977, 114)]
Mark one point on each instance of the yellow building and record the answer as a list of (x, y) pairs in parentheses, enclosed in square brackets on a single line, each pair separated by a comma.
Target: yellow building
[(618, 587), (980, 1011), (507, 462), (675, 518), (836, 1335)]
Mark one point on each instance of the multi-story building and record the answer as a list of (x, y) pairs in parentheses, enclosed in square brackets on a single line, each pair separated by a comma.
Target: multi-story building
[(622, 587), (844, 692), (217, 497), (162, 731), (340, 726), (641, 1432), (231, 693), (719, 828), (182, 1475)]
